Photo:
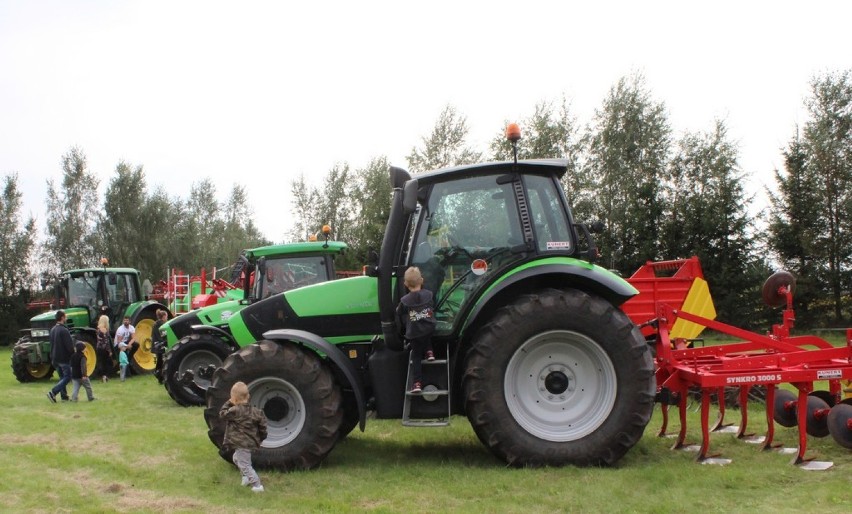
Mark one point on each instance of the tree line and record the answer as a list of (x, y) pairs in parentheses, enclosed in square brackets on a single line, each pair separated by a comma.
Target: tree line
[(659, 194)]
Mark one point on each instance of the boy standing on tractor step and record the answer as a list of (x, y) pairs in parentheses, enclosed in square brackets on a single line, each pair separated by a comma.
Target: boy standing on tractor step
[(61, 349), (245, 429), (416, 314)]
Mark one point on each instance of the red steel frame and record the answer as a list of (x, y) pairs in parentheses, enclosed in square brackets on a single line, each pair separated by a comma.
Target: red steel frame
[(767, 360)]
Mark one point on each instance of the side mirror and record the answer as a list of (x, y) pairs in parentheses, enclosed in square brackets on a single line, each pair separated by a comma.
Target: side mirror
[(409, 196), (372, 267)]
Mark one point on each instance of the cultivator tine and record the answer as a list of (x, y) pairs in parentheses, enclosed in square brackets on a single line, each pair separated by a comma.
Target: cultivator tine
[(705, 431), (664, 408), (770, 420), (681, 436)]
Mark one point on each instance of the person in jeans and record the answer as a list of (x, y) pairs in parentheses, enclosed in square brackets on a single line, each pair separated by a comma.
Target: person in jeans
[(61, 349), (245, 429), (79, 376), (416, 314)]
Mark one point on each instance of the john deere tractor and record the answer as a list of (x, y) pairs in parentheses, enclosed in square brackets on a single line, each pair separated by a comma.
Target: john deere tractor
[(199, 341), (84, 295), (530, 343)]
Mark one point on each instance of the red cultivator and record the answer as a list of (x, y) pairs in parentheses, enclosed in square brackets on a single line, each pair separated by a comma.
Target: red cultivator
[(757, 360)]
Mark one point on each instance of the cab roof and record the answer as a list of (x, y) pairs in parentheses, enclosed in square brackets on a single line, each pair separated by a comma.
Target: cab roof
[(557, 167), (296, 249)]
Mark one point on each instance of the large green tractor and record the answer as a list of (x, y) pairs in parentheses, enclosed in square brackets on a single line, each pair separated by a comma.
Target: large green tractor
[(84, 295), (198, 341), (530, 343)]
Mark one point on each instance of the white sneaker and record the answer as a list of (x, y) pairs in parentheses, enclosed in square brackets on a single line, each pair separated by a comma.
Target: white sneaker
[(244, 482), (257, 489)]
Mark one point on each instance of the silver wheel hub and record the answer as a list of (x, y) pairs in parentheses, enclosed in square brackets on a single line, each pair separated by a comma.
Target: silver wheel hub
[(283, 406), (560, 385)]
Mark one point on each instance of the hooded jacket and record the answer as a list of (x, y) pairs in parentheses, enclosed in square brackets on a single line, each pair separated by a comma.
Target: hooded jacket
[(416, 314)]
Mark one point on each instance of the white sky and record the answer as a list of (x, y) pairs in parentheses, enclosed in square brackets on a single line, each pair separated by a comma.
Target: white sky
[(260, 92)]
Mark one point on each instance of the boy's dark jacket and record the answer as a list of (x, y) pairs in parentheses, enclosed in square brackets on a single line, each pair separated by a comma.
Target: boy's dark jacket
[(416, 314), (245, 428)]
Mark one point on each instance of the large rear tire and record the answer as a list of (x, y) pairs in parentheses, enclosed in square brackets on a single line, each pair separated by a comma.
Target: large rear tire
[(144, 360), (559, 377), (295, 390), (194, 353)]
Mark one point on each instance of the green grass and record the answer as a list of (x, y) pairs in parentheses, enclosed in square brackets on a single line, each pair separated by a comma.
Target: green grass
[(134, 450)]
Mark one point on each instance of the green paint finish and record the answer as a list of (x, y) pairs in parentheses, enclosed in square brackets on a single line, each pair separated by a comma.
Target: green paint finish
[(331, 247), (356, 295), (239, 331)]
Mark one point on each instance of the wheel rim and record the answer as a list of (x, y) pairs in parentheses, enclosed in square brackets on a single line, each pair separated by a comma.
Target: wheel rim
[(284, 409), (144, 357), (196, 360), (560, 385), (91, 358), (38, 370)]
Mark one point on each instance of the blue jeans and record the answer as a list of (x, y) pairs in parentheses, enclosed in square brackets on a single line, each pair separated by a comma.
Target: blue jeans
[(64, 378)]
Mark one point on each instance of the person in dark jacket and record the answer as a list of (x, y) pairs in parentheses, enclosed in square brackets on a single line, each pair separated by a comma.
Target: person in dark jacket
[(79, 375), (245, 429), (61, 349), (416, 313)]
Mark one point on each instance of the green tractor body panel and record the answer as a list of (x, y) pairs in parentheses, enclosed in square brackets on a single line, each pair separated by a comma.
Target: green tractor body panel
[(343, 310)]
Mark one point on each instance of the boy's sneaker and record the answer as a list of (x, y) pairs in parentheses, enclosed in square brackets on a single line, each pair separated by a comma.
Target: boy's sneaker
[(257, 489), (51, 396), (430, 356), (418, 387), (244, 482)]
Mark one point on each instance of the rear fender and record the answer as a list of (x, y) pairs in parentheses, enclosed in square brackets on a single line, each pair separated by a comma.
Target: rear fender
[(320, 345), (570, 273)]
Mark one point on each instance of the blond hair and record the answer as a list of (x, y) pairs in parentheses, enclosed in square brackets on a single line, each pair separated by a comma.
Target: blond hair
[(239, 393), (103, 323), (413, 278)]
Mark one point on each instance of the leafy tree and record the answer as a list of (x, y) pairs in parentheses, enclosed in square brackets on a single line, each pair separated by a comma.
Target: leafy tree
[(828, 142), (707, 217), (70, 240), (795, 226), (123, 228), (17, 240), (445, 146), (628, 154), (371, 201), (330, 204)]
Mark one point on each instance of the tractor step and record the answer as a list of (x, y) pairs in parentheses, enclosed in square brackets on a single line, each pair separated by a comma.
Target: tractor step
[(429, 407)]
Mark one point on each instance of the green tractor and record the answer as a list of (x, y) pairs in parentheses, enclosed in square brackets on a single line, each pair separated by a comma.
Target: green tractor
[(86, 294), (198, 341), (530, 342)]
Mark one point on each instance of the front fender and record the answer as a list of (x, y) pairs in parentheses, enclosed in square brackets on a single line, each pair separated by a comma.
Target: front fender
[(217, 332), (320, 345)]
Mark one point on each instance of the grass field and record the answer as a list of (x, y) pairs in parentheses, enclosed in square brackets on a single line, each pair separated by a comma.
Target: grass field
[(134, 450)]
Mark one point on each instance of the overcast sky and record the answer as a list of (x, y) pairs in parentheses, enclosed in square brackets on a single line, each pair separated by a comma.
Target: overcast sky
[(257, 93)]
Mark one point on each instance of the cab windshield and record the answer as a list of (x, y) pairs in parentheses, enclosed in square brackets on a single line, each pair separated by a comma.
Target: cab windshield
[(285, 273)]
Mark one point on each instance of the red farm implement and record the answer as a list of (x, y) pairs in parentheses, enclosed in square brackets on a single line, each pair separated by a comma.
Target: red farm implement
[(768, 360)]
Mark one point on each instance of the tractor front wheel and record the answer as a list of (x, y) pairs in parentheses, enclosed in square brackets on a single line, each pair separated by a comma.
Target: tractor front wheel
[(559, 377), (298, 394), (22, 368), (195, 353)]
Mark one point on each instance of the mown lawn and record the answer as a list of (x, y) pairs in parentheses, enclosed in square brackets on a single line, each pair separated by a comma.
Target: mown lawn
[(134, 450)]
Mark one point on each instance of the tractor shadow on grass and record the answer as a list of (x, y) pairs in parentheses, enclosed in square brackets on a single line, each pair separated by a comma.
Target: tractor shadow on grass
[(368, 452)]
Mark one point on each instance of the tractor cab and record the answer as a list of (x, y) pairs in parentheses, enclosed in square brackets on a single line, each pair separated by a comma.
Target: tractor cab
[(100, 291)]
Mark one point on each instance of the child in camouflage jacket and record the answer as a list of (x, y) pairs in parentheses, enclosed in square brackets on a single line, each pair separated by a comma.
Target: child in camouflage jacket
[(245, 429)]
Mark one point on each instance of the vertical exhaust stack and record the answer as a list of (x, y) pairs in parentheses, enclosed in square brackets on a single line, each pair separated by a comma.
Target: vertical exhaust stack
[(390, 244)]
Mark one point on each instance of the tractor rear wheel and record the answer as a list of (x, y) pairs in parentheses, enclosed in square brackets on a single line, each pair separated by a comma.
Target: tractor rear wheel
[(298, 394), (22, 368), (195, 353), (90, 353), (144, 360), (559, 377)]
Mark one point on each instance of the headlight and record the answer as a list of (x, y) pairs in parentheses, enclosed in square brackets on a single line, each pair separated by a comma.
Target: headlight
[(39, 332)]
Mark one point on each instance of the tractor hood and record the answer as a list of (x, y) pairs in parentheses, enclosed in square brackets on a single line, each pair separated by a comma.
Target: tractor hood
[(213, 315), (345, 307), (77, 317)]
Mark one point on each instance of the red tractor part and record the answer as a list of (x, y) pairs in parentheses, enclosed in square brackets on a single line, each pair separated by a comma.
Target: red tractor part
[(769, 360)]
